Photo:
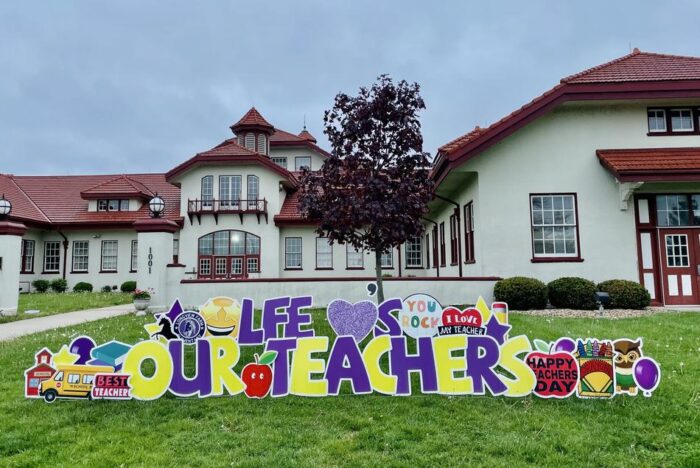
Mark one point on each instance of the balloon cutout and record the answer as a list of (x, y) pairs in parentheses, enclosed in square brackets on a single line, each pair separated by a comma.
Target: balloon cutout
[(82, 346), (566, 345), (371, 289), (647, 375)]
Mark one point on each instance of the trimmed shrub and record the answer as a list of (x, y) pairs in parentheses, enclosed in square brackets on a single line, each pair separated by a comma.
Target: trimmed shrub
[(128, 286), (82, 287), (41, 285), (572, 293), (106, 289), (59, 285), (521, 293), (625, 294)]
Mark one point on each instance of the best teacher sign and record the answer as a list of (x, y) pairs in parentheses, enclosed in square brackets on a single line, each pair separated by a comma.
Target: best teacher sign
[(376, 349)]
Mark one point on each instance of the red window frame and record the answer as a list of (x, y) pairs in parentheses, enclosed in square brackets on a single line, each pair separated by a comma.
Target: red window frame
[(436, 257), (26, 242), (469, 255), (210, 260), (553, 258), (453, 239), (443, 256)]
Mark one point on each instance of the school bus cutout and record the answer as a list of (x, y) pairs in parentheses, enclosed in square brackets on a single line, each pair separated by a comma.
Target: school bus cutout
[(71, 382)]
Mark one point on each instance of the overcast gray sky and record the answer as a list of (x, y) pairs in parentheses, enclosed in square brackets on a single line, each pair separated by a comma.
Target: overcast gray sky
[(118, 87)]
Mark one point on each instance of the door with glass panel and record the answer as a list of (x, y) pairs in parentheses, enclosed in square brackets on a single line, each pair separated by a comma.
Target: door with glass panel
[(678, 220), (679, 266)]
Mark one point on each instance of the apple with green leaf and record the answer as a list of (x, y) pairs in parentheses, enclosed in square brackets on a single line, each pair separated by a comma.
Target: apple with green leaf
[(258, 376)]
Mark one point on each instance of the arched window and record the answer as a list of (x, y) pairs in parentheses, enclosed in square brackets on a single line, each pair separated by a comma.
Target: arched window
[(262, 144), (228, 254), (253, 192), (250, 141)]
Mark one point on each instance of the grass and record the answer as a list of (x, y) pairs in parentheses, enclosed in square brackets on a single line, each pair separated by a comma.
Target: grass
[(53, 303), (368, 430)]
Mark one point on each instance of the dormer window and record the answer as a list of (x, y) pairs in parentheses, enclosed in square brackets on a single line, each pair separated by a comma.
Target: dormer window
[(280, 161), (250, 141), (112, 205), (673, 121), (301, 162), (682, 120), (657, 120)]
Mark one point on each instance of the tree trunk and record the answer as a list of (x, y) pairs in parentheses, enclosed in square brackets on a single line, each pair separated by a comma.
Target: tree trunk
[(378, 270)]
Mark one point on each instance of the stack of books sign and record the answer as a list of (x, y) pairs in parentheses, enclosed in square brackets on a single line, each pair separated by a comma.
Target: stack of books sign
[(111, 354)]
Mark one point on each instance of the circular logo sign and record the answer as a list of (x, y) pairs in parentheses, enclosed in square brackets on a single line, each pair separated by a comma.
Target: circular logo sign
[(421, 315), (189, 326)]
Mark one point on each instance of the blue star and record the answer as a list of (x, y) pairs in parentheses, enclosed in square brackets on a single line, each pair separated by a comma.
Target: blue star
[(496, 330), (175, 310)]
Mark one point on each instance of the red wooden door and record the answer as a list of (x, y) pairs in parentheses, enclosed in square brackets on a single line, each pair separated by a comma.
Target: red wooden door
[(679, 266)]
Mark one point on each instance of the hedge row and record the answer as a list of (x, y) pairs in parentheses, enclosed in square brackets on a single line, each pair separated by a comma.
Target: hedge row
[(523, 293), (60, 285)]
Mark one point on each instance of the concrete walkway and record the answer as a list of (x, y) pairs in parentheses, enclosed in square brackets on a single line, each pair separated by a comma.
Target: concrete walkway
[(18, 328)]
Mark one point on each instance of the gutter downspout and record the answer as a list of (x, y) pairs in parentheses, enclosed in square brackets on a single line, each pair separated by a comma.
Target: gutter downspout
[(65, 251), (436, 263), (459, 230)]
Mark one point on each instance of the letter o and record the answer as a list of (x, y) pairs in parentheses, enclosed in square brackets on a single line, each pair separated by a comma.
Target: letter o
[(148, 388)]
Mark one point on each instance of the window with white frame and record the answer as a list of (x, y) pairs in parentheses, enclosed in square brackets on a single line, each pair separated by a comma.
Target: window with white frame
[(354, 258), (324, 253), (52, 256), (250, 141), (387, 259), (113, 205), (682, 120), (554, 225), (229, 191), (27, 256), (253, 191), (80, 256), (207, 191), (135, 255), (301, 162), (657, 120), (280, 161), (109, 255), (414, 253), (292, 253), (677, 250)]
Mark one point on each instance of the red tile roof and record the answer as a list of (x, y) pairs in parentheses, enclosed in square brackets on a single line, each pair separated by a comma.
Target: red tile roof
[(289, 213), (122, 186), (636, 75), (23, 208), (281, 138), (230, 152), (652, 164), (252, 118), (306, 135), (58, 199), (640, 66)]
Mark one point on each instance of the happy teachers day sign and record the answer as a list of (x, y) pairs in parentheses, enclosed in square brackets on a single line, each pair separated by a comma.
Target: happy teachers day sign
[(377, 349)]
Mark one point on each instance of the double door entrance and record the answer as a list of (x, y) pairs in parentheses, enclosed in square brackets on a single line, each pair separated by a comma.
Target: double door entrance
[(680, 265), (228, 267)]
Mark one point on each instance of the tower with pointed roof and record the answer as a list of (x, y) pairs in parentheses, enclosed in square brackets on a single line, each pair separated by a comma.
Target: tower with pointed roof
[(253, 132)]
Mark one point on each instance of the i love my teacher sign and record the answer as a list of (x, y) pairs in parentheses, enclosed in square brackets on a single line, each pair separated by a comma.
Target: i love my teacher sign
[(376, 349)]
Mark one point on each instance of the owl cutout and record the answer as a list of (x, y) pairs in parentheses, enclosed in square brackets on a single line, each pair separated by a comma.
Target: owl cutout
[(627, 352)]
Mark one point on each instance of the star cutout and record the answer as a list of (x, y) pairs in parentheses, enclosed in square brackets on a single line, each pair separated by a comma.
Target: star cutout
[(175, 310), (483, 309), (497, 330), (64, 357)]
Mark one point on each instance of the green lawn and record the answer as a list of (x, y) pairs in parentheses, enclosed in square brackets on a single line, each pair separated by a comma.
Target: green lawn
[(53, 303), (367, 430)]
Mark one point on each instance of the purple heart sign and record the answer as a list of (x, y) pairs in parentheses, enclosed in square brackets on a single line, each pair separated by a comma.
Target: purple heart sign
[(355, 320)]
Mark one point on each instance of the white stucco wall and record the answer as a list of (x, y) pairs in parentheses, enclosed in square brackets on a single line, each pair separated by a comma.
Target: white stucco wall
[(556, 154), (93, 275)]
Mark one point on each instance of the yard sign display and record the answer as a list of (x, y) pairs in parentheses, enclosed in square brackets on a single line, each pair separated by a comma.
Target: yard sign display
[(377, 349)]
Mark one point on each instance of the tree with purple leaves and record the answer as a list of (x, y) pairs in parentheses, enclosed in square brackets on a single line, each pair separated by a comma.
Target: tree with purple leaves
[(374, 189)]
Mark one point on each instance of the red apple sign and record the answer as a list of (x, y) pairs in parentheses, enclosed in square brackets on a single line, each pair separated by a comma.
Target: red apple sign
[(556, 373), (258, 376)]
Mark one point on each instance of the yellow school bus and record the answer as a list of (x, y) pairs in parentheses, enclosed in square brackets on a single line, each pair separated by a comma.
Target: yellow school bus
[(71, 381)]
